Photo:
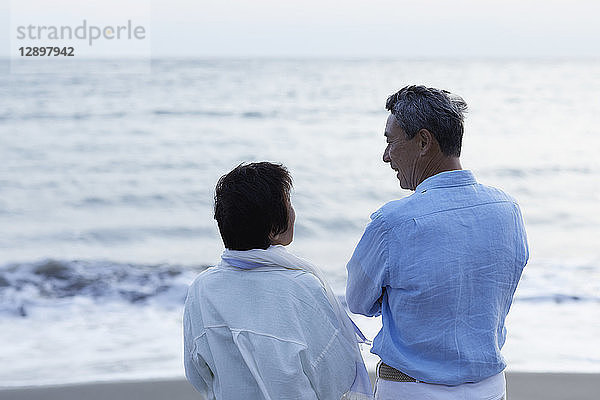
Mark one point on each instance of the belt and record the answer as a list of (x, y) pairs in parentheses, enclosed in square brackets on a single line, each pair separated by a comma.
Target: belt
[(388, 373)]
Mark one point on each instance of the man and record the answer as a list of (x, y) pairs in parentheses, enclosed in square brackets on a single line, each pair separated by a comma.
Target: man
[(441, 265)]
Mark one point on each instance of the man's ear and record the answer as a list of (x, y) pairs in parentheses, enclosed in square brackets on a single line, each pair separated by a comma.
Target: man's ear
[(426, 141)]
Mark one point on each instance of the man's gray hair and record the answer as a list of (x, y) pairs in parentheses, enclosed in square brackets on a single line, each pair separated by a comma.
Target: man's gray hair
[(438, 111)]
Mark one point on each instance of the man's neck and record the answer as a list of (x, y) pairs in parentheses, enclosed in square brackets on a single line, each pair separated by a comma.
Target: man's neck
[(439, 164)]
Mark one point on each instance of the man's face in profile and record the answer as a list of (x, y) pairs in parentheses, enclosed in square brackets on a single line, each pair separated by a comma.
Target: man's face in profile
[(401, 153)]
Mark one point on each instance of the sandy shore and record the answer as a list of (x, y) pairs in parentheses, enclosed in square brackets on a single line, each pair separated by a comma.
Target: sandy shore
[(521, 386)]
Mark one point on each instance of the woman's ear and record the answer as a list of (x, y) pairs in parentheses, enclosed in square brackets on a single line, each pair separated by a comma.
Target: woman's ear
[(274, 239)]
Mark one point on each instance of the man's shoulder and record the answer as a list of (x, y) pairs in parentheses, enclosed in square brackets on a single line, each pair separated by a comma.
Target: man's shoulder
[(426, 202), (495, 194), (397, 210)]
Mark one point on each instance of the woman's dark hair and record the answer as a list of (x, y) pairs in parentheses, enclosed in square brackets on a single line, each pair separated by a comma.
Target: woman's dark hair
[(251, 203)]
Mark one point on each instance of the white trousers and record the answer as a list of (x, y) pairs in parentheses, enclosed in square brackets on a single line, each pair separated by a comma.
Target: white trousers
[(492, 388)]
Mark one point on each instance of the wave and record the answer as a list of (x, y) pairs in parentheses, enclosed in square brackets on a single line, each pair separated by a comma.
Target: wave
[(114, 236), (205, 113), (72, 116), (213, 113), (558, 298), (549, 170), (26, 287), (118, 115)]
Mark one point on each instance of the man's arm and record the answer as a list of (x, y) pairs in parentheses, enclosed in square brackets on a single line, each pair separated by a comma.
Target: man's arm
[(367, 269)]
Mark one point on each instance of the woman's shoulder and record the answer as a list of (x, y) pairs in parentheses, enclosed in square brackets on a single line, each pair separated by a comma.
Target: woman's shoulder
[(270, 293), (264, 276)]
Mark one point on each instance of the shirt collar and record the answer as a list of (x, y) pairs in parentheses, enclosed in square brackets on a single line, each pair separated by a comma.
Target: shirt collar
[(446, 179)]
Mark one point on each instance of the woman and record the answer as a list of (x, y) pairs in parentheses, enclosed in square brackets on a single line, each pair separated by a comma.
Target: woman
[(263, 324)]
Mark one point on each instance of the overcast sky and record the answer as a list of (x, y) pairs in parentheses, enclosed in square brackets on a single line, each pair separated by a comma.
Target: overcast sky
[(351, 28)]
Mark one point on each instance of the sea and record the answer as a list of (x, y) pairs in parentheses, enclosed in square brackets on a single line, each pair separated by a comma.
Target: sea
[(107, 179)]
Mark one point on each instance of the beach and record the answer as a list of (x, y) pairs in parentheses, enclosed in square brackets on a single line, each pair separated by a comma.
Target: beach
[(520, 386)]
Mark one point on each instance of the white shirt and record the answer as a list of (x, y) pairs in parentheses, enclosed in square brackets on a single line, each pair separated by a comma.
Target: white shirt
[(492, 388), (265, 333)]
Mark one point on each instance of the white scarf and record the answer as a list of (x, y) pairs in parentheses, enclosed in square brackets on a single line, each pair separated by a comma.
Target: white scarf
[(277, 256)]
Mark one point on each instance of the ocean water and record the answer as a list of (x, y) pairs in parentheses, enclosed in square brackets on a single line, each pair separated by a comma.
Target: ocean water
[(106, 188)]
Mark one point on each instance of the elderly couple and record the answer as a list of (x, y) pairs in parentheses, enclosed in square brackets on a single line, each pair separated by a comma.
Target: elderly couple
[(440, 266)]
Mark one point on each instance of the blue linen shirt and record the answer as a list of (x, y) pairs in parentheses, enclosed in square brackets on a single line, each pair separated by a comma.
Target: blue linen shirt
[(449, 257)]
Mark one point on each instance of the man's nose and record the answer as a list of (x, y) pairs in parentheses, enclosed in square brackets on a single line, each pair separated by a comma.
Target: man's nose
[(386, 156)]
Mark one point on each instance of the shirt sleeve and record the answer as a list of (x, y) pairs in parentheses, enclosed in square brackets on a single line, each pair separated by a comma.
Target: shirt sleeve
[(275, 365), (332, 371), (313, 361), (522, 236), (368, 269), (197, 371), (285, 369)]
